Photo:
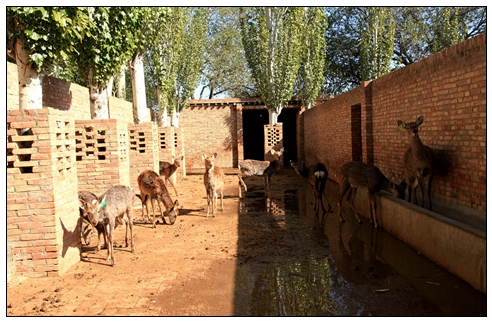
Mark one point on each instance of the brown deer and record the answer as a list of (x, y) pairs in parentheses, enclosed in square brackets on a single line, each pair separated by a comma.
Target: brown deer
[(264, 169), (152, 188), (354, 175), (113, 208), (418, 160), (88, 228), (167, 169), (214, 183), (317, 175)]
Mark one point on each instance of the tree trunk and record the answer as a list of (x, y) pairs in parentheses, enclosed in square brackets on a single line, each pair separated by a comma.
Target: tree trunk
[(120, 83), (99, 101), (175, 119), (163, 111), (138, 84), (272, 117), (30, 81)]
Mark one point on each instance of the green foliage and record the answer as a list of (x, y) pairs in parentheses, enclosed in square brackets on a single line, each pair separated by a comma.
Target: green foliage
[(225, 70), (445, 26), (272, 40), (114, 37), (377, 39), (49, 34), (310, 78)]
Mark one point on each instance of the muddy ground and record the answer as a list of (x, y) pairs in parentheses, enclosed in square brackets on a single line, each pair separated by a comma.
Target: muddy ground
[(254, 258)]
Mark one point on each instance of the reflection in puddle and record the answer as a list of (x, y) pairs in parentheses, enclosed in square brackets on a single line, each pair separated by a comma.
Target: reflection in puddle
[(290, 265)]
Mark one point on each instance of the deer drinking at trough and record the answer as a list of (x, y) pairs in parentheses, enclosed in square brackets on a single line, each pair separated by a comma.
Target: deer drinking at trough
[(418, 160), (88, 228), (354, 175), (152, 188), (167, 169), (112, 209), (265, 169), (317, 175), (214, 183)]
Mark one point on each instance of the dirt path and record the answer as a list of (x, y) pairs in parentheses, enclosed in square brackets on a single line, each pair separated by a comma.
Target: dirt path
[(184, 269)]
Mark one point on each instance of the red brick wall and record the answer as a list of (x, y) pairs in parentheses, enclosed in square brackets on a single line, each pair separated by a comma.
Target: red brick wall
[(42, 213), (448, 89), (209, 129)]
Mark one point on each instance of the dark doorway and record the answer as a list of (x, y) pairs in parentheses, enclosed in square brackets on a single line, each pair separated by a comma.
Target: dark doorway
[(253, 133), (288, 118)]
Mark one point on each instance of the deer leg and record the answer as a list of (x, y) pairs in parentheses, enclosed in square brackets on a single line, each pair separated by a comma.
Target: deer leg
[(109, 229), (413, 189), (344, 186), (221, 199), (428, 190), (372, 214), (208, 202), (175, 191), (351, 198), (241, 182)]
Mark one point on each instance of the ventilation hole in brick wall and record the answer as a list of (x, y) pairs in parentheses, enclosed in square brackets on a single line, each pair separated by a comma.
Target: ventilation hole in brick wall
[(101, 157), (89, 137), (90, 153), (101, 132), (101, 141), (89, 145), (141, 148), (78, 158)]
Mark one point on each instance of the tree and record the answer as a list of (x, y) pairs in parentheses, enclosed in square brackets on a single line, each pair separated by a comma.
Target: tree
[(310, 78), (271, 38), (100, 57), (377, 39), (225, 71), (38, 39)]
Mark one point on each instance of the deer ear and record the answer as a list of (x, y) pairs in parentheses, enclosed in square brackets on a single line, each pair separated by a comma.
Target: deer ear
[(419, 120), (272, 151), (215, 155), (203, 156), (401, 124), (81, 203)]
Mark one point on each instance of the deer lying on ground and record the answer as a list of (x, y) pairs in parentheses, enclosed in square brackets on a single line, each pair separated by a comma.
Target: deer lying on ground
[(88, 228), (418, 160), (152, 188), (317, 175), (112, 209), (213, 179), (265, 169), (354, 175), (167, 169)]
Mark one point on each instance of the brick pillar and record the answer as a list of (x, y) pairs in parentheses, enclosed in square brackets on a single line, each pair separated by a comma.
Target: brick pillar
[(367, 124), (43, 228), (179, 150), (144, 150), (240, 131), (273, 140), (102, 154)]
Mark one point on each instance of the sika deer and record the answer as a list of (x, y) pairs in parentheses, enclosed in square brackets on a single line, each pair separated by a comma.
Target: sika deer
[(88, 229), (167, 169), (265, 169), (317, 174), (418, 160), (353, 175), (214, 183), (152, 187), (112, 209)]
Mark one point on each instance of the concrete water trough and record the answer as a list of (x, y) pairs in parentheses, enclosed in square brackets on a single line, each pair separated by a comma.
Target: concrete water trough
[(455, 238)]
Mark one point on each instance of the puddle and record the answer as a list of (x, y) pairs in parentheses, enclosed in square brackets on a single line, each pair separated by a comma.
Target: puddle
[(291, 265)]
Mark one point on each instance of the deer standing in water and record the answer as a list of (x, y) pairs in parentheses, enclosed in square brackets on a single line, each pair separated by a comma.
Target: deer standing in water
[(418, 160), (167, 169), (265, 169), (317, 175), (354, 175), (214, 183)]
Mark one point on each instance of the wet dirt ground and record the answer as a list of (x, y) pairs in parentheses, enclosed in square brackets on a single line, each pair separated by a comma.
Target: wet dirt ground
[(258, 257)]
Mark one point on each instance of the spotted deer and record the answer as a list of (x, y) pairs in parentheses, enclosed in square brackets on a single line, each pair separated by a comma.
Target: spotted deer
[(167, 169), (418, 160), (317, 175), (112, 209), (354, 175), (152, 188), (264, 169), (213, 180)]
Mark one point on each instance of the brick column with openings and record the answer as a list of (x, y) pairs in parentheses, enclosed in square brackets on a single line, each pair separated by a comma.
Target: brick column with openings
[(43, 228), (144, 150)]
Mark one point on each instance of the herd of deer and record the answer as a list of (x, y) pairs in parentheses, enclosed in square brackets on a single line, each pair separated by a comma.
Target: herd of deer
[(115, 206)]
